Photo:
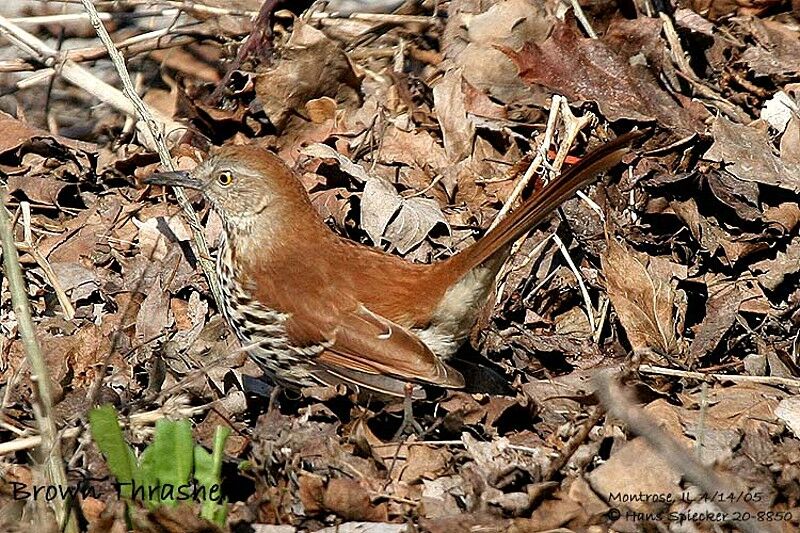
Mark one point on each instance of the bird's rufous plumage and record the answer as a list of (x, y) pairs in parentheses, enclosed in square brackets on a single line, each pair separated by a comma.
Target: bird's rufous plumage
[(314, 308)]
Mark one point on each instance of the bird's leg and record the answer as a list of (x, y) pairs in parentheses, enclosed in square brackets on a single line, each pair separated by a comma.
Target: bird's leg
[(409, 425), (274, 403)]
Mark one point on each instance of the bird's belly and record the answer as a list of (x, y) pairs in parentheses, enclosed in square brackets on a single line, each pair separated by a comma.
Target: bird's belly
[(261, 331), (457, 312), (441, 340)]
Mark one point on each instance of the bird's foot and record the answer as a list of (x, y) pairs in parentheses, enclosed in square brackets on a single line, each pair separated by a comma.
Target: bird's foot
[(274, 399), (410, 425)]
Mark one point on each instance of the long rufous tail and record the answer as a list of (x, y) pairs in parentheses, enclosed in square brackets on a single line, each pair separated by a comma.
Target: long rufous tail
[(538, 207)]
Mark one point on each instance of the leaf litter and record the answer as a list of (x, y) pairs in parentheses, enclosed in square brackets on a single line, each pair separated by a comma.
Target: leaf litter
[(411, 130)]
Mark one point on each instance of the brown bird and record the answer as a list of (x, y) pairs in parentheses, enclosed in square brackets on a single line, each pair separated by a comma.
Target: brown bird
[(313, 308)]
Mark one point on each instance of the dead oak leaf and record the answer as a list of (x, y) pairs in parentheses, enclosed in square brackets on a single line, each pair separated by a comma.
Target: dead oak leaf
[(403, 222), (747, 154), (645, 303), (773, 272), (724, 300), (345, 497), (47, 191), (788, 411), (154, 315), (776, 52), (591, 69), (451, 112), (17, 133), (311, 66)]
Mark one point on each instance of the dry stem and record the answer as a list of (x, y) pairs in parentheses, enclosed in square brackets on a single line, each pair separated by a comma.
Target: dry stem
[(620, 405), (158, 131), (43, 402)]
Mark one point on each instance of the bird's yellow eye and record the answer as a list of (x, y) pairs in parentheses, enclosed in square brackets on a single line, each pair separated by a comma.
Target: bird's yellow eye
[(225, 178)]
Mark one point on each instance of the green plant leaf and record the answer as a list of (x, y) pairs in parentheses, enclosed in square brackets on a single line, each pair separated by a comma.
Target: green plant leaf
[(147, 479), (207, 472), (170, 458), (104, 425)]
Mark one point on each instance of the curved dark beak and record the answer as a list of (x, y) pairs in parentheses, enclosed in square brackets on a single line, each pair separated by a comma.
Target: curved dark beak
[(178, 178)]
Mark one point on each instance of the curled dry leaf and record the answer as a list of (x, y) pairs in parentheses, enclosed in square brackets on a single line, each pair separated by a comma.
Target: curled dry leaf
[(403, 222), (155, 234), (773, 272), (776, 51), (747, 154), (155, 315), (721, 310), (790, 141), (778, 111), (441, 496), (510, 24), (788, 411), (450, 105), (425, 462), (713, 237), (323, 151), (40, 190), (644, 302), (715, 9), (312, 67), (591, 69), (498, 464), (347, 498), (16, 133), (74, 277), (636, 469)]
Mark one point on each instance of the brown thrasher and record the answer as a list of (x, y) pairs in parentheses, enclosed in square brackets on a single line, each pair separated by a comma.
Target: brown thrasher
[(312, 308)]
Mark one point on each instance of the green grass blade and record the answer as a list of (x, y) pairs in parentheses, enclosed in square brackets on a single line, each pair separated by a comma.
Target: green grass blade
[(104, 424), (207, 472)]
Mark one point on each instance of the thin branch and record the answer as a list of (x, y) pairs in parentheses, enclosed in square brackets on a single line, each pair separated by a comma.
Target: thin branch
[(620, 405), (27, 245), (703, 376), (156, 130), (135, 421), (533, 168), (581, 16), (574, 443), (50, 449), (587, 300)]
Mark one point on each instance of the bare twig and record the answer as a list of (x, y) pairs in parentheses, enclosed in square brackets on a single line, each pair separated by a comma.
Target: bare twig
[(574, 443), (572, 126), (619, 404), (686, 71), (66, 18), (134, 421), (50, 449), (533, 168), (581, 16), (69, 70), (453, 443), (145, 42), (157, 132), (378, 18), (602, 313), (27, 245), (702, 376), (587, 301)]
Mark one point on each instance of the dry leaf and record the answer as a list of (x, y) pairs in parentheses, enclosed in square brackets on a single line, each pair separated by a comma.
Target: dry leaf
[(747, 154), (402, 222), (590, 69), (645, 304)]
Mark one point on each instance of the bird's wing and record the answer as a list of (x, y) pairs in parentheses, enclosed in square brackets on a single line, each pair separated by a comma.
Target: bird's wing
[(360, 344)]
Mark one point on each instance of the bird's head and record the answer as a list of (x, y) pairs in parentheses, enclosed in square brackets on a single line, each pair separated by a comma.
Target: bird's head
[(241, 182)]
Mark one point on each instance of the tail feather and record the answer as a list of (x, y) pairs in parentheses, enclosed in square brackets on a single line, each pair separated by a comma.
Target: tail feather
[(538, 207)]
